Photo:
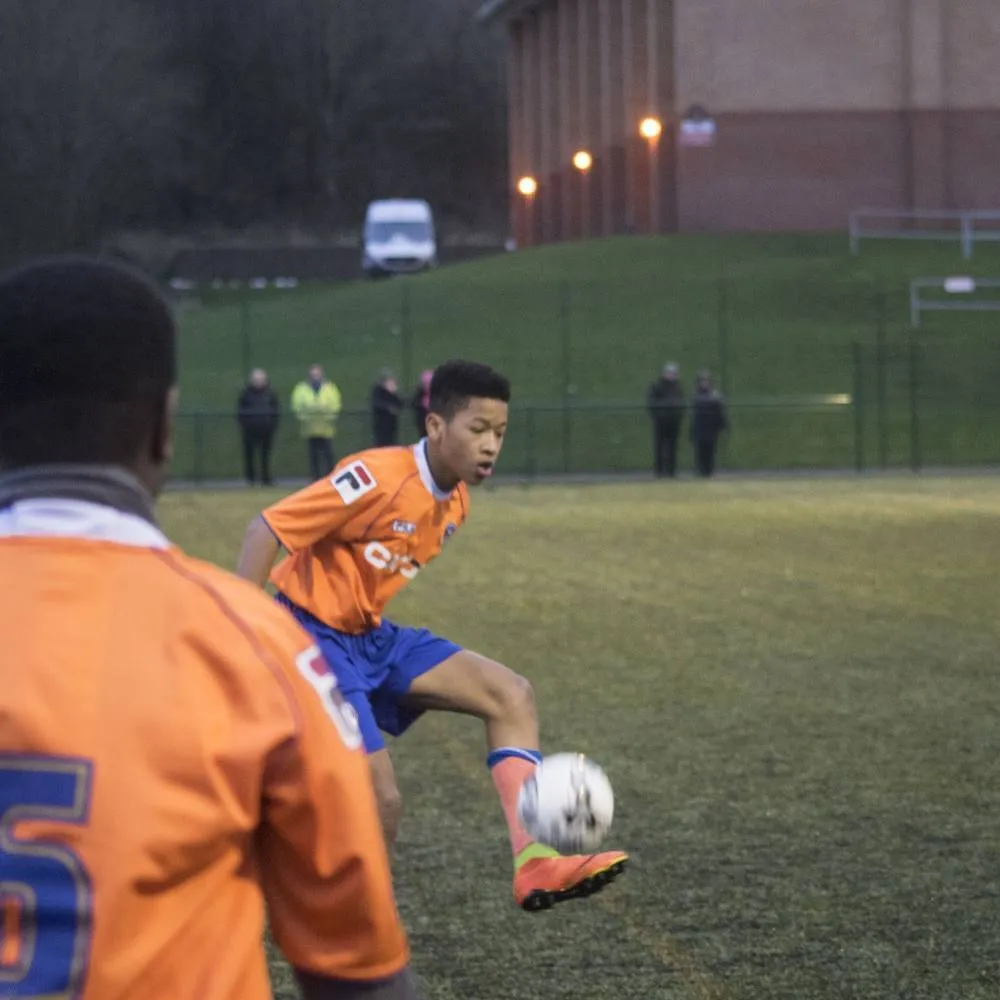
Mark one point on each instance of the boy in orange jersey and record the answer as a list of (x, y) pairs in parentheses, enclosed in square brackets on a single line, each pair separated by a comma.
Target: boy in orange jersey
[(175, 759), (354, 540)]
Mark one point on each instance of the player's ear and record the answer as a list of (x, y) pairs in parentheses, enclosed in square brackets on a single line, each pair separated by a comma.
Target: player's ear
[(435, 426), (163, 432)]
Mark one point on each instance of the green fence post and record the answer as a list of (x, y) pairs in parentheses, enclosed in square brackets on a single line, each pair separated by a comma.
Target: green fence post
[(246, 347), (532, 460), (915, 456), (722, 319), (405, 336), (859, 419), (881, 375), (198, 436), (567, 359)]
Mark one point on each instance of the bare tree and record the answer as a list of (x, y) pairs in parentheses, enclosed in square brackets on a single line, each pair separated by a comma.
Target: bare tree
[(89, 125), (174, 113)]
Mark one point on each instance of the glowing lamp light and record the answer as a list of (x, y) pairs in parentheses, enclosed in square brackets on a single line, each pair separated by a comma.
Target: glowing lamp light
[(583, 161), (528, 186), (651, 128)]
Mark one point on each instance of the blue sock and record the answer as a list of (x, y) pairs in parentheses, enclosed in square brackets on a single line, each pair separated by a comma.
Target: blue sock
[(505, 753)]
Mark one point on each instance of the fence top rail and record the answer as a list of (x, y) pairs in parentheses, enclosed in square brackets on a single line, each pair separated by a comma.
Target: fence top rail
[(640, 410), (927, 213), (969, 285)]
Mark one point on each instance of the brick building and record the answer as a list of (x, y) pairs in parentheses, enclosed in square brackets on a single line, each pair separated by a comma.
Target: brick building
[(817, 107)]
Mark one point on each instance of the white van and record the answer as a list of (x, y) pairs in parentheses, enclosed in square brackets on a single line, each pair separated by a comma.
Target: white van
[(399, 238)]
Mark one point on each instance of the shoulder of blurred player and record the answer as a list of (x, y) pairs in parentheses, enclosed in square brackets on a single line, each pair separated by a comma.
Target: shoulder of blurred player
[(263, 638)]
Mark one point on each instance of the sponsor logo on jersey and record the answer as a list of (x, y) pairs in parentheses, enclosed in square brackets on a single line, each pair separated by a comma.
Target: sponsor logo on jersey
[(353, 482), (377, 555), (404, 527)]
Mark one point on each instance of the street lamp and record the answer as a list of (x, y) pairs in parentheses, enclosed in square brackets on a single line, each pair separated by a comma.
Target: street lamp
[(651, 128), (583, 161), (527, 187)]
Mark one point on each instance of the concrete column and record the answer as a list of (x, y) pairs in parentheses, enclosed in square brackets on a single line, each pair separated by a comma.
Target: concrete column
[(548, 185), (531, 148), (515, 130), (605, 13), (662, 76), (627, 111), (654, 106), (926, 101), (585, 116), (636, 105), (568, 133)]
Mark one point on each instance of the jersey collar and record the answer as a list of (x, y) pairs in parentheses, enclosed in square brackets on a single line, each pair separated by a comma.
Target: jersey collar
[(95, 522), (424, 468)]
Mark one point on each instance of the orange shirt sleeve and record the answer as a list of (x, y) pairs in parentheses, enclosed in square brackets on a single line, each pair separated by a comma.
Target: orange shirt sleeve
[(346, 500), (324, 867)]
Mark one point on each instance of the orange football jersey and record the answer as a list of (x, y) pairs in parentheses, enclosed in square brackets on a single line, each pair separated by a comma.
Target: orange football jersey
[(173, 757), (358, 537)]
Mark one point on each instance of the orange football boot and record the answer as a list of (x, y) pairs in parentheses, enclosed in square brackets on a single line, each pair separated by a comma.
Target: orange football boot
[(543, 878)]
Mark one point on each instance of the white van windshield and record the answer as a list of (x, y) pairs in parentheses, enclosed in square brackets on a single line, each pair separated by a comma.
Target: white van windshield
[(382, 232)]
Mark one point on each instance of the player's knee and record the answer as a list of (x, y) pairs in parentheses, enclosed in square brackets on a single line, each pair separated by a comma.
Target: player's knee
[(515, 696)]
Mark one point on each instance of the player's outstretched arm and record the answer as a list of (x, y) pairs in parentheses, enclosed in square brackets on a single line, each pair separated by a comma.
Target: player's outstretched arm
[(398, 987), (260, 549)]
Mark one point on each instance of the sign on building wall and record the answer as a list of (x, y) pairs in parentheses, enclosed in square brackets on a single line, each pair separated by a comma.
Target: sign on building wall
[(697, 128)]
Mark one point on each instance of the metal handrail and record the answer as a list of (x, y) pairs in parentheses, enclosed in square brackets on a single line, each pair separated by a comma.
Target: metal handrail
[(967, 233)]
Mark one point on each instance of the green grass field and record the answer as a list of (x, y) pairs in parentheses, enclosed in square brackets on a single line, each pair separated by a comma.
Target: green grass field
[(591, 323), (793, 686)]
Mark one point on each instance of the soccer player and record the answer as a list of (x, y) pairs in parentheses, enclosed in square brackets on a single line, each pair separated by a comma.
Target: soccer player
[(354, 540), (174, 755)]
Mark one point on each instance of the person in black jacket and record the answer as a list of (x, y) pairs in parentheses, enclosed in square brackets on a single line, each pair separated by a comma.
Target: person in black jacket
[(386, 407), (258, 412), (708, 421), (420, 402), (666, 409)]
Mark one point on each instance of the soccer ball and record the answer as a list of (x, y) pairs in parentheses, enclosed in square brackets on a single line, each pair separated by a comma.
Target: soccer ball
[(567, 804)]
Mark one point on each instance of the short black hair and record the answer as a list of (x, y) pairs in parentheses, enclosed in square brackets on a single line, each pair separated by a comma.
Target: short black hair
[(87, 360), (456, 382)]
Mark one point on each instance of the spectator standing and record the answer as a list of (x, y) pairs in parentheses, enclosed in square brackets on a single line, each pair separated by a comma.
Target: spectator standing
[(422, 401), (666, 409), (259, 413), (316, 403), (386, 405), (708, 421)]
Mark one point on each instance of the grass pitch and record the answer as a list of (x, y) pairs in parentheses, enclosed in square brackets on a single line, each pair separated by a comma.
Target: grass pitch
[(793, 688)]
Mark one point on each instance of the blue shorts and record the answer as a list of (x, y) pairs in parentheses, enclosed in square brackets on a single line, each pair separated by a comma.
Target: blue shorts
[(375, 669)]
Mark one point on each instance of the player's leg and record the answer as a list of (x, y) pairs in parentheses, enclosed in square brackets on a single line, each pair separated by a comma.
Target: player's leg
[(248, 463), (672, 435), (314, 473), (328, 459), (390, 802), (265, 457), (471, 684)]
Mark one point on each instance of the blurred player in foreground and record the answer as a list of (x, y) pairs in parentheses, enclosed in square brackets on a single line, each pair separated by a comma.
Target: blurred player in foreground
[(355, 539), (174, 756)]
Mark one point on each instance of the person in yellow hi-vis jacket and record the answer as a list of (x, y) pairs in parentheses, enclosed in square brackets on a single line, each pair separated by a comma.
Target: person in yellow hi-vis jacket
[(316, 403)]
